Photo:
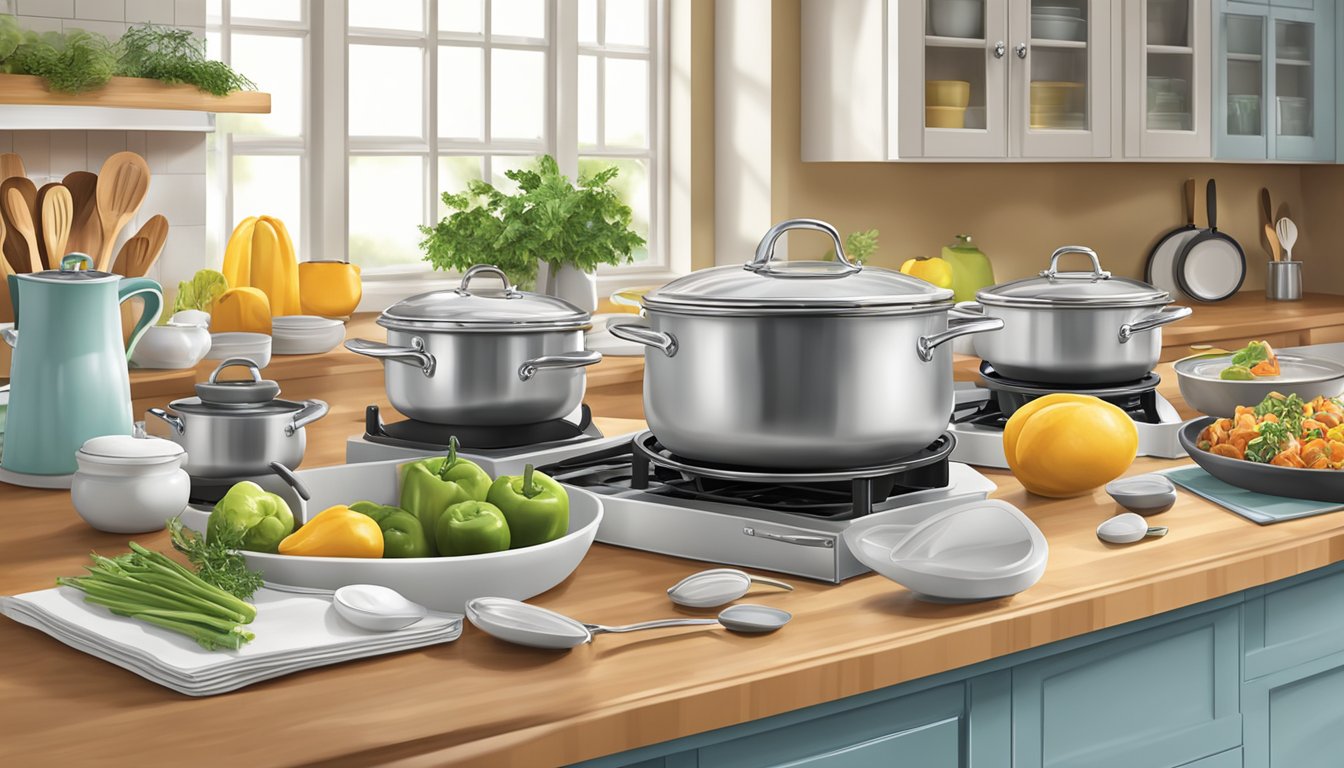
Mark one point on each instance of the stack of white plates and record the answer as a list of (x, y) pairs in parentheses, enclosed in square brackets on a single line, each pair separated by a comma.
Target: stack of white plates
[(293, 632), (305, 334), (1058, 22)]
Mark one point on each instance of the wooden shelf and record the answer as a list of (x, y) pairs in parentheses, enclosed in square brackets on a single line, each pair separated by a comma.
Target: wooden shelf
[(132, 93)]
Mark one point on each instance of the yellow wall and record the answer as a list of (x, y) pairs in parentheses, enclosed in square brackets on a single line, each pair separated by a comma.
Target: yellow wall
[(1018, 213)]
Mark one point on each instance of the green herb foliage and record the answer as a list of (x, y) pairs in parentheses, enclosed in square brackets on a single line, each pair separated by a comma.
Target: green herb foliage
[(175, 56), (548, 219), (1249, 355), (217, 560), (860, 245), (71, 62), (1287, 408), (1271, 441)]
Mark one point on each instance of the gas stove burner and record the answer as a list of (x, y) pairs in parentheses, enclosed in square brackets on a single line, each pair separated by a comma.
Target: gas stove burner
[(995, 381), (422, 435), (1136, 398)]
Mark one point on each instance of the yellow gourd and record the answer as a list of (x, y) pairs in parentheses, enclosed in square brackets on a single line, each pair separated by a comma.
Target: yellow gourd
[(260, 254), (241, 309), (1068, 445), (238, 254), (284, 291), (336, 532)]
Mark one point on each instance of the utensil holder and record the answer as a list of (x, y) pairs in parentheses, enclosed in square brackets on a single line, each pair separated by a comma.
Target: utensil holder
[(1283, 281)]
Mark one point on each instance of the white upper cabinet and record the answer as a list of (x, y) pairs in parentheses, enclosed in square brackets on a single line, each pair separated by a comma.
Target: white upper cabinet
[(1168, 81)]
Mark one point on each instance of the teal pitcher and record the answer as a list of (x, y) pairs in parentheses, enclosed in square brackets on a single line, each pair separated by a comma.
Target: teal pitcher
[(68, 380)]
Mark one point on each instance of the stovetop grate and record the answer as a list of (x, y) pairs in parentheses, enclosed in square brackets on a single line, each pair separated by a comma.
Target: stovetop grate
[(420, 435), (1137, 398)]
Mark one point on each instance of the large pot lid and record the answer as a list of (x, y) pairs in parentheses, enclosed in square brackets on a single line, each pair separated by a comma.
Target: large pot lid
[(767, 286), (268, 408), (1095, 288), (489, 309)]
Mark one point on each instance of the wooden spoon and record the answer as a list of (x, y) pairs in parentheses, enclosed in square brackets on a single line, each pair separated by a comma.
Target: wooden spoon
[(21, 217), (37, 220), (6, 304), (1271, 237), (133, 253), (11, 165), (122, 184), (58, 214), (85, 228), (15, 247), (156, 232)]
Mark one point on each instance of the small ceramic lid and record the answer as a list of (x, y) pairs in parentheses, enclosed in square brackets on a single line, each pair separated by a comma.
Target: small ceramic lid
[(71, 272), (496, 308), (126, 449), (1094, 289), (257, 391)]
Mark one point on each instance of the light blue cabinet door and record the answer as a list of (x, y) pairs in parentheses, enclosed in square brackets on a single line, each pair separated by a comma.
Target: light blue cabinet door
[(1294, 622), (1303, 71), (1229, 759), (1295, 718), (1161, 697)]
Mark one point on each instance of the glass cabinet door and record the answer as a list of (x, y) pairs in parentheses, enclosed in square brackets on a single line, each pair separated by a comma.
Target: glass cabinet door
[(1061, 51), (1300, 120), (1242, 84), (1167, 79), (965, 58)]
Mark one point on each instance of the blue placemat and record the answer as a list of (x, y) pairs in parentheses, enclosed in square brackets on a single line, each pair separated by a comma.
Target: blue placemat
[(1256, 507)]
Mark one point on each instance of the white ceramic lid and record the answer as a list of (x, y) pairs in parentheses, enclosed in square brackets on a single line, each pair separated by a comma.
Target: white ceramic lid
[(118, 449)]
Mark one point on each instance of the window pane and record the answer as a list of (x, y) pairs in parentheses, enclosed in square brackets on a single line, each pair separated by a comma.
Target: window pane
[(518, 18), (517, 94), (385, 91), (588, 21), (632, 184), (454, 173), (626, 22), (280, 10), (386, 204), (588, 101), (627, 103), (460, 92), (269, 185), (460, 16), (408, 15), (502, 163), (275, 64)]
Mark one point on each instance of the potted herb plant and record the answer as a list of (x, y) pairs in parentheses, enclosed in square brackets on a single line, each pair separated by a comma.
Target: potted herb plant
[(572, 229)]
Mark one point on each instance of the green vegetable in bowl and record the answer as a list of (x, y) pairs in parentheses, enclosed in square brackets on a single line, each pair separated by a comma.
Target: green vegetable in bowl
[(201, 291), (257, 518), (403, 535), (1236, 373)]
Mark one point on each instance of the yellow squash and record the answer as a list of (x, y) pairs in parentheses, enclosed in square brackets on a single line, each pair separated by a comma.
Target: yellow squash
[(260, 254), (1069, 445), (337, 531), (241, 309), (238, 254), (284, 291)]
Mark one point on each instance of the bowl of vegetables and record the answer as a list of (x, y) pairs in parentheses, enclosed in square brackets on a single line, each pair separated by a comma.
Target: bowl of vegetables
[(1216, 384), (1283, 446), (438, 530)]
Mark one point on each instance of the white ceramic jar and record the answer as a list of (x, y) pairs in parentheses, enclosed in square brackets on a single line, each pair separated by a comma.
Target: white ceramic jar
[(171, 347), (128, 484)]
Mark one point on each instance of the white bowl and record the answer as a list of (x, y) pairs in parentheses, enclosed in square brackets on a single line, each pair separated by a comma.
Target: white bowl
[(1058, 28), (304, 322), (439, 583), (957, 18), (171, 347), (252, 346), (190, 317), (306, 338)]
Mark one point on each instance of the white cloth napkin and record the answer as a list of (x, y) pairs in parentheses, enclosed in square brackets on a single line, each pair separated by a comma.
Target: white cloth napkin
[(293, 632)]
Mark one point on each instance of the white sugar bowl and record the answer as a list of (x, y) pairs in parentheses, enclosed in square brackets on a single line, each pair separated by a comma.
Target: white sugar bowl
[(128, 484)]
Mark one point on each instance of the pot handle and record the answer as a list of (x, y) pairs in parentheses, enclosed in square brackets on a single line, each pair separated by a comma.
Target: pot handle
[(173, 421), (510, 290), (312, 411), (1156, 320), (956, 326), (1097, 272), (11, 336), (967, 310), (641, 334), (765, 251), (236, 362), (292, 480), (576, 359), (412, 355)]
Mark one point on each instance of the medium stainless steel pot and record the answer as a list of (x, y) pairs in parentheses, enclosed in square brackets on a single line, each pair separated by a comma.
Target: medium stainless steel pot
[(239, 428), (1074, 328), (798, 365), (493, 357)]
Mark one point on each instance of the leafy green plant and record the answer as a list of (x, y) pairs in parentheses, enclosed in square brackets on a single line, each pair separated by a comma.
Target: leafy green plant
[(860, 246), (72, 62), (548, 219), (175, 56)]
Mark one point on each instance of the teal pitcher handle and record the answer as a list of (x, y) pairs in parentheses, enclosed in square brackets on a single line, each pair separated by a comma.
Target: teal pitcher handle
[(147, 289)]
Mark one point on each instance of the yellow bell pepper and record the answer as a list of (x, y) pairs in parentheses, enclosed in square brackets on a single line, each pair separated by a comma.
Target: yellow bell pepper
[(337, 531), (241, 309), (933, 270), (238, 254)]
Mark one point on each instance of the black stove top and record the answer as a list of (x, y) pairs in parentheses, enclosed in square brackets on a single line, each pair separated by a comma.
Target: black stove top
[(645, 465), (1136, 398), (420, 435)]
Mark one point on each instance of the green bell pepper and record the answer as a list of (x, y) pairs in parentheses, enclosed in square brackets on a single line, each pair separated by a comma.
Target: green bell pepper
[(536, 506), (260, 518), (430, 486), (403, 535), (472, 528)]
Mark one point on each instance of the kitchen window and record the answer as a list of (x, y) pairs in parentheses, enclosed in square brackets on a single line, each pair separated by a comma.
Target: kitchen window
[(407, 99)]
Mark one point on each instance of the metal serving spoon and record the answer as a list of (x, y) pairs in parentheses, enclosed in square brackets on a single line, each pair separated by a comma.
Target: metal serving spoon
[(717, 586), (536, 627)]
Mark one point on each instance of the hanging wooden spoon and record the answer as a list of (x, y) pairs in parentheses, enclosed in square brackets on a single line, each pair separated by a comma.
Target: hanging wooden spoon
[(57, 215), (11, 165), (134, 252), (1271, 237), (15, 247), (156, 232), (21, 217), (85, 228), (122, 184)]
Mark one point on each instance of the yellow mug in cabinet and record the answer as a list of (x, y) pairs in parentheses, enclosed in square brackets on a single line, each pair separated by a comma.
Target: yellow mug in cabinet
[(329, 288), (944, 117), (947, 93)]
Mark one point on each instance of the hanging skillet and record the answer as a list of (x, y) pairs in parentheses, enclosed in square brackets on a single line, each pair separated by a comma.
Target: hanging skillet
[(1211, 266), (1161, 270)]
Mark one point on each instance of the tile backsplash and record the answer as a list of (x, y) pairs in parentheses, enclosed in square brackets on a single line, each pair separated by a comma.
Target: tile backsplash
[(177, 160)]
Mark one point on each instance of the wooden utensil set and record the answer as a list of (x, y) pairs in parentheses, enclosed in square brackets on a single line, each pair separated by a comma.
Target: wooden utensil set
[(83, 213)]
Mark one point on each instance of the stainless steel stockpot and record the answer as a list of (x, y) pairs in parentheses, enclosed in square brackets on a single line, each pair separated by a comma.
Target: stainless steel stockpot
[(1075, 328), (482, 357), (798, 365), (233, 429)]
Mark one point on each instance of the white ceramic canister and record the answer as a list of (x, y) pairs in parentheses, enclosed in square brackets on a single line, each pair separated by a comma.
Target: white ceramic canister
[(128, 484)]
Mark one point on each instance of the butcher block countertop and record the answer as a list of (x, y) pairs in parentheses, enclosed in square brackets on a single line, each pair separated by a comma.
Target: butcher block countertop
[(479, 702)]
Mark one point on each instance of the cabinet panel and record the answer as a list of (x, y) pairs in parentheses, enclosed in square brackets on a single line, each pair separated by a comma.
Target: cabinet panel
[(1229, 759), (1157, 698), (1061, 77), (1294, 718), (1168, 84), (1287, 626), (1302, 81)]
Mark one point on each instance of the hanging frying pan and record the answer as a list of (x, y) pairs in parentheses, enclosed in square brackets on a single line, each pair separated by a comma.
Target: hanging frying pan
[(1161, 270), (1211, 266)]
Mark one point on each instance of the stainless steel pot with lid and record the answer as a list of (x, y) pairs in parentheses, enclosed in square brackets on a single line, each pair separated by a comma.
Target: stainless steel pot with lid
[(796, 365), (475, 355), (1075, 328)]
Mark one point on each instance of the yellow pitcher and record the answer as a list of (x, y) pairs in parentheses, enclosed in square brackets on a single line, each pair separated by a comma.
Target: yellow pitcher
[(329, 288)]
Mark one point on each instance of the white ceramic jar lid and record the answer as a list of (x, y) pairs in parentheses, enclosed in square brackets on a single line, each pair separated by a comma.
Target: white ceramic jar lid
[(125, 449)]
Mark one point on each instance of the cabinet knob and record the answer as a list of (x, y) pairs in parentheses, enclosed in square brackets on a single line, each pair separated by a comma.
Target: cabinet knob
[(1000, 49), (1021, 50)]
